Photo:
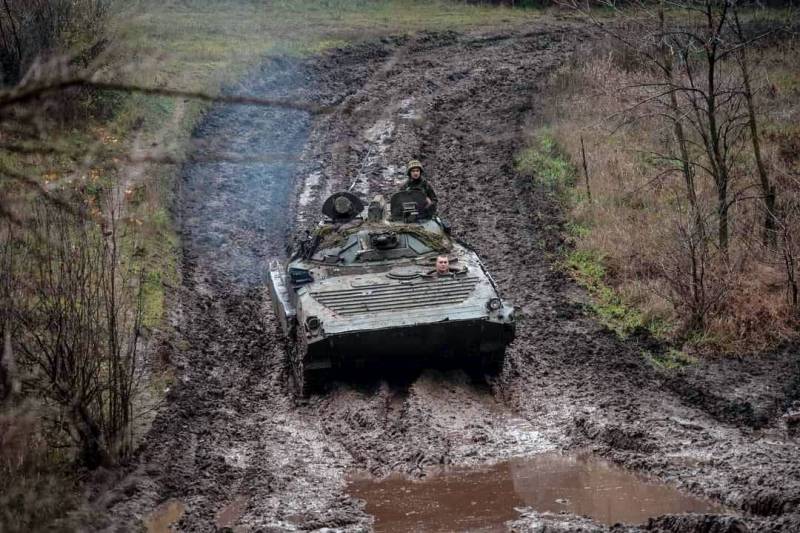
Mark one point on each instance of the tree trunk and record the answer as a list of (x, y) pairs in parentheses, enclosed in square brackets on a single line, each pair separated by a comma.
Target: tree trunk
[(586, 172), (93, 453), (713, 142), (9, 383), (677, 127), (722, 213), (697, 233), (15, 74), (767, 190)]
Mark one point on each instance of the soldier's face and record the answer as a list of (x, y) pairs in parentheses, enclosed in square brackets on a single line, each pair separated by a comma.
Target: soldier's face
[(442, 265), (415, 173)]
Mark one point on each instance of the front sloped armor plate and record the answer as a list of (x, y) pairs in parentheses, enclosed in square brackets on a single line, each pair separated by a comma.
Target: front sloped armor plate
[(397, 296)]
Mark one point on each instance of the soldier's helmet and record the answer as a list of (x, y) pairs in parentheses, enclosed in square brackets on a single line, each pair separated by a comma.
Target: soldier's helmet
[(413, 164)]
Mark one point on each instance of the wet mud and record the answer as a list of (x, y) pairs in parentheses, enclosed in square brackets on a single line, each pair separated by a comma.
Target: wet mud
[(235, 447)]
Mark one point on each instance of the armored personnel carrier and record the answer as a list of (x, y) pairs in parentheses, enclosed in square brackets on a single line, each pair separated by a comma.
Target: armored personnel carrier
[(362, 290)]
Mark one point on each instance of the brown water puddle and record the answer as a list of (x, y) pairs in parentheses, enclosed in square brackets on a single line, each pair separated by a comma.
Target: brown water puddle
[(228, 515), (164, 517), (485, 498)]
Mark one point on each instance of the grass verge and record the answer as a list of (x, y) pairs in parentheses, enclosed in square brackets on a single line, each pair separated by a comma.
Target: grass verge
[(553, 171), (631, 242)]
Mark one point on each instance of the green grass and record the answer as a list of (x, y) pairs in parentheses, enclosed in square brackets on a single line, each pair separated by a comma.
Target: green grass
[(588, 269), (158, 254), (204, 43), (577, 230), (549, 166), (547, 163), (153, 299), (671, 360)]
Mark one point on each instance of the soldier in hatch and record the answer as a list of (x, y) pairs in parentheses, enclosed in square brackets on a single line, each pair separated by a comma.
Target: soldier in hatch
[(443, 266), (418, 183)]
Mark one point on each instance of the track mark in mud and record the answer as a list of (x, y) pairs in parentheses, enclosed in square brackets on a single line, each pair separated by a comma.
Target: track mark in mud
[(441, 118), (378, 136), (229, 428), (311, 186), (438, 419)]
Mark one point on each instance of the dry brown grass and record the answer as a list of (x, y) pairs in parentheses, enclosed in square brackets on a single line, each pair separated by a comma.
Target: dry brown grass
[(638, 215), (33, 489)]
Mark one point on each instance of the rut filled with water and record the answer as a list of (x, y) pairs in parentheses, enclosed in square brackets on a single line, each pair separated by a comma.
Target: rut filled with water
[(485, 498)]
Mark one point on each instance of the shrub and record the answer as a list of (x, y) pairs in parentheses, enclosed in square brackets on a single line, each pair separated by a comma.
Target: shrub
[(643, 233), (35, 29), (33, 490)]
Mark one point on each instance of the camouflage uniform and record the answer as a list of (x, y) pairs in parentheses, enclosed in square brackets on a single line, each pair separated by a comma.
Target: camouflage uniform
[(421, 184)]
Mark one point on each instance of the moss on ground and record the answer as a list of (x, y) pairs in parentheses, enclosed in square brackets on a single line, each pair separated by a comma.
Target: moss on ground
[(548, 165), (670, 360), (588, 269)]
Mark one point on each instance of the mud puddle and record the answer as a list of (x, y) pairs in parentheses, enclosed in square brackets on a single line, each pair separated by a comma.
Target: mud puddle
[(483, 499), (164, 518)]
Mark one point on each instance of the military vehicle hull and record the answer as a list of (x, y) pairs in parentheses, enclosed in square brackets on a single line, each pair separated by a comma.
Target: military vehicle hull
[(464, 342), (346, 305)]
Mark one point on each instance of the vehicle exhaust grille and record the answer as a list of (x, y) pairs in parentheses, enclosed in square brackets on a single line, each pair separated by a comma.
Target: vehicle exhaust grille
[(390, 297)]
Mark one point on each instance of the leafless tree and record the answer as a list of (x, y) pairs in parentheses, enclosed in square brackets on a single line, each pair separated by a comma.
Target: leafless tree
[(696, 77), (30, 29), (786, 228), (768, 192), (79, 335)]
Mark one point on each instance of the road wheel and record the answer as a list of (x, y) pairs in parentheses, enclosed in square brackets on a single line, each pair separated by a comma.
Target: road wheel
[(296, 362), (306, 381)]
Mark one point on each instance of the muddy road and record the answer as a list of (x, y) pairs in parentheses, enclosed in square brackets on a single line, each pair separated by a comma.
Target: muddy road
[(232, 447)]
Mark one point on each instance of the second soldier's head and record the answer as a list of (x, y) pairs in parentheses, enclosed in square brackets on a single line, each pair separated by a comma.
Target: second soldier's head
[(414, 169)]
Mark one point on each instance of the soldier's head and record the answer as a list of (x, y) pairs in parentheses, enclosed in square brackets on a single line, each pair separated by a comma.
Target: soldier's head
[(442, 265), (414, 169)]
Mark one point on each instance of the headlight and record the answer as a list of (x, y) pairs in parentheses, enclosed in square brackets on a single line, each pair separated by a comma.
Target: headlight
[(313, 323), (494, 304)]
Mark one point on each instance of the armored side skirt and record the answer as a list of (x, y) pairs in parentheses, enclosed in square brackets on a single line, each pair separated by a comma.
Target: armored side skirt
[(446, 342), (279, 296)]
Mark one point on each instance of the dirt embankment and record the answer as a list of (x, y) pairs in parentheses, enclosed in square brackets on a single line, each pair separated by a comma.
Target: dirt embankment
[(233, 447)]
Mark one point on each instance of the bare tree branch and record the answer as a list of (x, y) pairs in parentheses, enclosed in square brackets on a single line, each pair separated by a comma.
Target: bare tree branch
[(27, 93)]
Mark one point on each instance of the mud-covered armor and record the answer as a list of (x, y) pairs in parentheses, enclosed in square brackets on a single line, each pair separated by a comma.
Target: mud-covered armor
[(363, 291)]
